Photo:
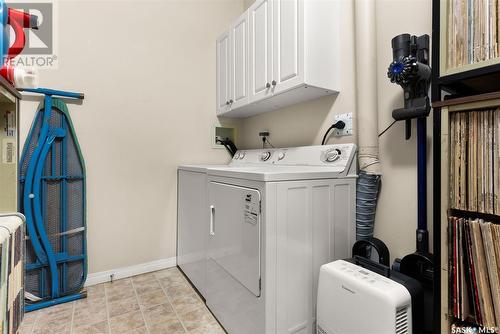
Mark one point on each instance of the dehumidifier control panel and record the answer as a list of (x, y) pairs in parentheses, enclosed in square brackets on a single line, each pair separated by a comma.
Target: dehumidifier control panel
[(363, 276)]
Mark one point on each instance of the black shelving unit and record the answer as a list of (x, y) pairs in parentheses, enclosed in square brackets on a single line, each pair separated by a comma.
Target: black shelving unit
[(478, 81), (436, 94), (472, 214), (458, 86)]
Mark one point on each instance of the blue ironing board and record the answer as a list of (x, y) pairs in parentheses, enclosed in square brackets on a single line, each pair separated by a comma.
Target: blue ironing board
[(52, 197)]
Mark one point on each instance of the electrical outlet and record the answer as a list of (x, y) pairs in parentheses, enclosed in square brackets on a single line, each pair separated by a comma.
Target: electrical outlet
[(347, 130)]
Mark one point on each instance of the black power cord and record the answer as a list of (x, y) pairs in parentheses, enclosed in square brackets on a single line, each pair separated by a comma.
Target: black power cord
[(387, 128), (228, 144), (337, 125), (264, 135), (267, 141)]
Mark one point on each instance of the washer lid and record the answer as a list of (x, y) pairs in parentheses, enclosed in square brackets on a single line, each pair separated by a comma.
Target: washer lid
[(199, 168), (278, 173)]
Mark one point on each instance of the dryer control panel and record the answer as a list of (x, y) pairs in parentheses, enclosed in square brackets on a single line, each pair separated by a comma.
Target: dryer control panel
[(324, 155)]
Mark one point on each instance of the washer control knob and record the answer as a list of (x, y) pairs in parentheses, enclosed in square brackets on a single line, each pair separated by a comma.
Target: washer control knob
[(265, 156), (242, 155), (281, 155), (332, 155)]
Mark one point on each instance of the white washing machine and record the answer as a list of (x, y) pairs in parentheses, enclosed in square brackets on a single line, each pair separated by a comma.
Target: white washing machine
[(253, 234)]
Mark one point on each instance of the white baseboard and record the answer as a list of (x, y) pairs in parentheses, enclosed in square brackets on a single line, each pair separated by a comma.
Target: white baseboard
[(142, 268)]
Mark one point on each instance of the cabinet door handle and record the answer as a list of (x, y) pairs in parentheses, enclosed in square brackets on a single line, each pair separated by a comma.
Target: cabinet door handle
[(231, 101), (227, 102), (212, 220), (268, 85), (273, 83)]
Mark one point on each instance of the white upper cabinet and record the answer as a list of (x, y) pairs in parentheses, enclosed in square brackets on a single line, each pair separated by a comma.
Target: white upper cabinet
[(223, 74), (239, 63), (288, 48), (292, 55), (261, 52)]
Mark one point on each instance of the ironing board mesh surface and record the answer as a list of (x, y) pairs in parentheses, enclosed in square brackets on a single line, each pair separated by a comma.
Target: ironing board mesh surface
[(74, 165), (52, 216), (31, 280)]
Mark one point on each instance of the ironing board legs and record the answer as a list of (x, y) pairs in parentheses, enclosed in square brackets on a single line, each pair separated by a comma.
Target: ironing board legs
[(56, 301)]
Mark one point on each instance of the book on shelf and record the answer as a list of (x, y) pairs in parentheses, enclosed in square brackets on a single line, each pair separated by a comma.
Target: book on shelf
[(491, 265), (474, 271), (496, 161), (474, 176), (473, 31)]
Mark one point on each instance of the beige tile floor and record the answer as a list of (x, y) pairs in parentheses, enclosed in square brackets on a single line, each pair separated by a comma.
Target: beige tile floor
[(159, 302)]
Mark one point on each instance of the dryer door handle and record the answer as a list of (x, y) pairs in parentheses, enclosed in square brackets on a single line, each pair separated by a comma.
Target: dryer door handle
[(212, 220)]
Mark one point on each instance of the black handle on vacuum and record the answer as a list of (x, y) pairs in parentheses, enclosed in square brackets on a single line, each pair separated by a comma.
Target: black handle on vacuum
[(373, 266), (360, 249)]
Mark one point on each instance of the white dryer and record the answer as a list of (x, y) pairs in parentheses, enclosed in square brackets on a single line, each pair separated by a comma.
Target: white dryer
[(273, 217), (192, 222)]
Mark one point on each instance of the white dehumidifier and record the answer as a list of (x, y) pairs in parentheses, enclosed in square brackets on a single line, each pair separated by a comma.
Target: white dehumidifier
[(355, 300)]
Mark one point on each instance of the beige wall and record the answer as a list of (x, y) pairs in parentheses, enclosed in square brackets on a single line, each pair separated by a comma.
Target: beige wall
[(396, 220), (147, 69), (305, 124)]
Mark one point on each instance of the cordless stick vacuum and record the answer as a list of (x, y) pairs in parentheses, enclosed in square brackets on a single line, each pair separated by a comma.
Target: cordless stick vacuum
[(410, 69)]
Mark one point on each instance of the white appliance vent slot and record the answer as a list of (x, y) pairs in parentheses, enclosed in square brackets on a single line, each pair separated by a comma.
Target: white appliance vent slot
[(402, 321)]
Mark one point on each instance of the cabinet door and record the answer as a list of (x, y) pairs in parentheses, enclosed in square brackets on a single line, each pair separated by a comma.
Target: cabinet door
[(260, 49), (288, 44), (223, 73), (239, 63)]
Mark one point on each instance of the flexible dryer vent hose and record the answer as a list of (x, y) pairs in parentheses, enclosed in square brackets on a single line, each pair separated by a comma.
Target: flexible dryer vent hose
[(366, 204), (367, 111)]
